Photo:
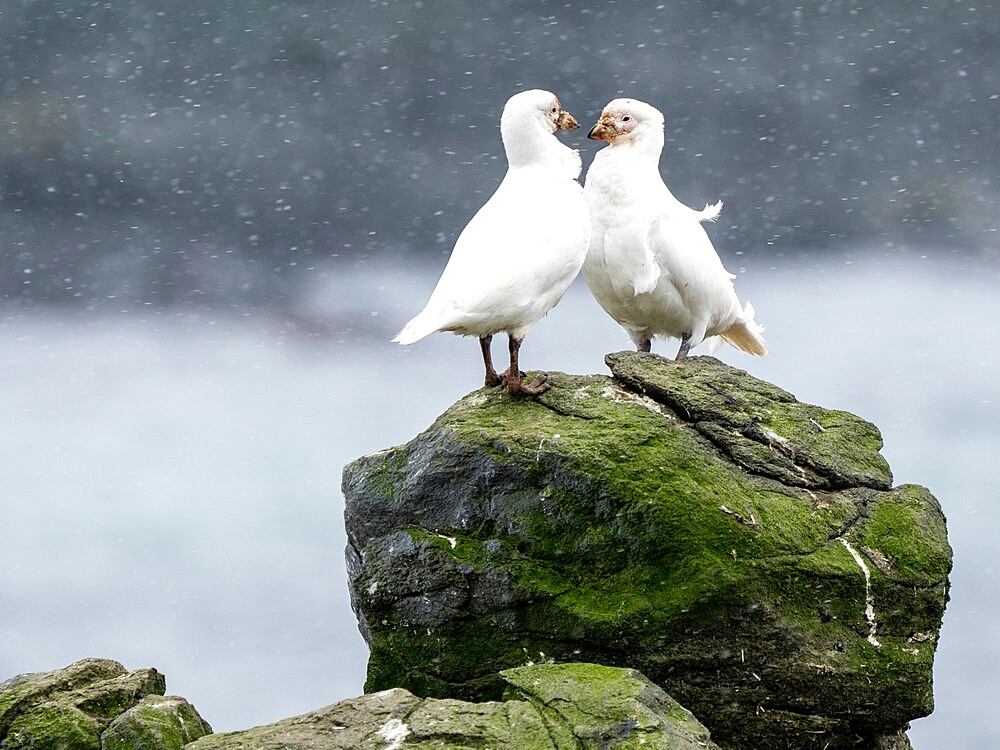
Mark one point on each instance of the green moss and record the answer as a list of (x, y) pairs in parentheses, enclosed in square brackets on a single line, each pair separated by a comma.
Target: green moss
[(660, 472), (839, 447), (107, 703), (897, 675), (715, 516), (544, 707), (436, 663), (900, 518), (513, 724), (660, 478), (54, 726), (606, 707), (156, 723), (25, 691)]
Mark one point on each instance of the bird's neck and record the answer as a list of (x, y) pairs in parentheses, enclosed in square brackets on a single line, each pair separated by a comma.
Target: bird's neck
[(648, 143), (533, 146)]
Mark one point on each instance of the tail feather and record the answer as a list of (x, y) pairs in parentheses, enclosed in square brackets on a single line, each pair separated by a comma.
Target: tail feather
[(746, 334), (419, 327), (710, 212)]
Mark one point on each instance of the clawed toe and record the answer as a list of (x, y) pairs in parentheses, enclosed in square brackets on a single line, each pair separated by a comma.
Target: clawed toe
[(513, 377), (536, 387)]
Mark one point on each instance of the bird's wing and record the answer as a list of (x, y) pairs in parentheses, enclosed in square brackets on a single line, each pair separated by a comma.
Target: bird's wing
[(630, 262), (682, 248), (496, 270)]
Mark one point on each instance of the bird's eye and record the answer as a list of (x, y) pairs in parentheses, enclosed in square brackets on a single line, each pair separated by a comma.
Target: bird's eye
[(555, 109), (626, 118)]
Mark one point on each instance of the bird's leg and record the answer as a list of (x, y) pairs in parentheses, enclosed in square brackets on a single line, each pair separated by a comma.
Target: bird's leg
[(685, 346), (506, 373), (513, 377), (491, 375), (645, 345)]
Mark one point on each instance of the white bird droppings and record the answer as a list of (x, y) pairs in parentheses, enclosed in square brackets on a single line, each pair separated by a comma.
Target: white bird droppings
[(869, 598), (393, 732), (450, 539)]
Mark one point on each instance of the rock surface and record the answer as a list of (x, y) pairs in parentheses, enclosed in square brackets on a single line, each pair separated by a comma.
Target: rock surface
[(157, 722), (744, 550), (95, 704), (547, 707), (92, 704)]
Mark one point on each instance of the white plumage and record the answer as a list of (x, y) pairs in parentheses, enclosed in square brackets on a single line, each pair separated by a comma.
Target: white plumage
[(519, 253), (651, 265)]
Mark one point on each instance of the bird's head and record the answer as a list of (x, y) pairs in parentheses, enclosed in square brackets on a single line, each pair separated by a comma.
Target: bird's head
[(627, 121), (540, 105)]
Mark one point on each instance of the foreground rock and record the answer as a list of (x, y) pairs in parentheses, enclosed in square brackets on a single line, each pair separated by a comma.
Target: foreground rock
[(547, 707), (95, 703), (745, 551)]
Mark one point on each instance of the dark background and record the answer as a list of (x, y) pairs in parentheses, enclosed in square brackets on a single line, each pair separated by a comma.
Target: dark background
[(218, 153)]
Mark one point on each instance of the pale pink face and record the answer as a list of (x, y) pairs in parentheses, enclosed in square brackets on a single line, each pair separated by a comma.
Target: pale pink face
[(613, 123)]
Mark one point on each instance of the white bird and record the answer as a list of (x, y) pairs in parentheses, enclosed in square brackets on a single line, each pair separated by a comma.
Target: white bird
[(651, 265), (516, 257)]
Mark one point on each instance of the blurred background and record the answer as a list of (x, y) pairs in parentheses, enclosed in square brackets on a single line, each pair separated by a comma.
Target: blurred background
[(213, 217)]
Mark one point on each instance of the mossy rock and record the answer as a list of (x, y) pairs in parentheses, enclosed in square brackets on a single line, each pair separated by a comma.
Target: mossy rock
[(760, 426), (545, 707), (54, 726), (608, 707), (21, 694), (157, 722), (75, 708), (744, 550)]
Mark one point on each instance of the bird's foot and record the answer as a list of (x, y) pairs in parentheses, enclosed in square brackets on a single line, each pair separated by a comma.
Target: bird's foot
[(536, 387), (505, 376), (492, 380)]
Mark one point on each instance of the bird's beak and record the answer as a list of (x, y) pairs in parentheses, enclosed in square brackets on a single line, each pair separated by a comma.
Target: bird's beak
[(602, 131), (566, 121)]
